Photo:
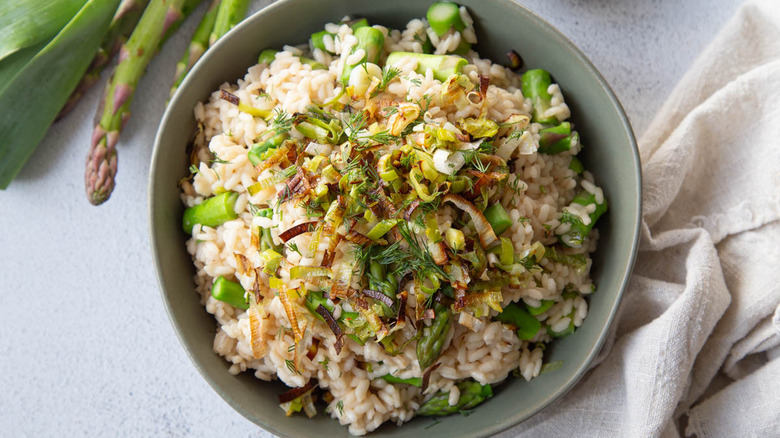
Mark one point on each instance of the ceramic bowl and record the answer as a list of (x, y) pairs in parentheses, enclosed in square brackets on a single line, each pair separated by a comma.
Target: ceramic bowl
[(610, 153)]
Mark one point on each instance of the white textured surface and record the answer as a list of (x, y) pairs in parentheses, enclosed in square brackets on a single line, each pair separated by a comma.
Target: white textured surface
[(85, 346)]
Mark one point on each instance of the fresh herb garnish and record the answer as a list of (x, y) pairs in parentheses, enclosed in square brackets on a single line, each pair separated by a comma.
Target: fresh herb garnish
[(293, 247), (291, 366), (324, 362), (282, 122)]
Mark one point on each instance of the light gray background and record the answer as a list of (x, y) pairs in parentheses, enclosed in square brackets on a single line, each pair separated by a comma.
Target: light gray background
[(85, 345)]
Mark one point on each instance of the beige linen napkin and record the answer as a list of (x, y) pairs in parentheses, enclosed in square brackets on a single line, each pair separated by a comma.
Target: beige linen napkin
[(696, 348)]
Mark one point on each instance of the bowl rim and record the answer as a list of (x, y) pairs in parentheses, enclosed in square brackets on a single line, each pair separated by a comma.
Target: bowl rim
[(489, 429)]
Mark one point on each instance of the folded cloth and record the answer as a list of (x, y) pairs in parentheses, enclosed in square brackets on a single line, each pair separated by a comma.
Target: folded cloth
[(696, 347)]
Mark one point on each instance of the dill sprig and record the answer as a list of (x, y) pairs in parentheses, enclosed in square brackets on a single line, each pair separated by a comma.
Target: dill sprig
[(291, 366), (354, 124), (413, 256), (517, 133), (282, 121), (388, 75), (414, 81), (293, 247)]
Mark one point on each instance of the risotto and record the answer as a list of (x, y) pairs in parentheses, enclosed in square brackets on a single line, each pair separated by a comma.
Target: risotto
[(388, 223)]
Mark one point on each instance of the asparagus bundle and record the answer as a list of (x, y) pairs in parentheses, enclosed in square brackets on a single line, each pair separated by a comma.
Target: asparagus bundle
[(134, 56), (159, 17), (231, 12), (124, 20), (122, 25), (198, 45)]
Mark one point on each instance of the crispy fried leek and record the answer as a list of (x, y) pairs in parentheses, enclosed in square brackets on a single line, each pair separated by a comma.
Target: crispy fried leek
[(256, 329)]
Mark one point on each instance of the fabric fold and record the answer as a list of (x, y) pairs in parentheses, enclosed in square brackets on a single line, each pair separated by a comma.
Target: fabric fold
[(697, 337)]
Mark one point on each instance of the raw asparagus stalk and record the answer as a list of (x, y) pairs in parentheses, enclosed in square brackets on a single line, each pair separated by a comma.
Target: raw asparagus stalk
[(114, 112), (186, 9), (229, 13), (471, 394), (198, 45), (433, 336), (122, 24)]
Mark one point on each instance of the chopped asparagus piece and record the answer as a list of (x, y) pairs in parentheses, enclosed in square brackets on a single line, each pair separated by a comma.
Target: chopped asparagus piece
[(212, 212), (471, 394), (443, 16), (535, 84), (556, 139), (515, 314), (371, 41), (229, 292), (443, 66)]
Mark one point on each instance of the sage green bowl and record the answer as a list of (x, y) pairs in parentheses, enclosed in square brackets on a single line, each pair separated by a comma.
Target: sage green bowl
[(610, 153)]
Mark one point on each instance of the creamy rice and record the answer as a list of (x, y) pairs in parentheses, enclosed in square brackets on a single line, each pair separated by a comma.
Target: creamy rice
[(544, 187)]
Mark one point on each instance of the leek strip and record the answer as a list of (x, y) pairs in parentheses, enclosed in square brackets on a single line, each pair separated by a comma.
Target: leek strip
[(32, 99), (27, 23)]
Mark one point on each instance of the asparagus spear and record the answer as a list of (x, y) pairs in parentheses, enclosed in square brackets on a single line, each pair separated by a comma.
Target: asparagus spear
[(433, 336), (122, 24), (471, 394), (198, 45), (379, 280), (414, 381), (134, 56), (186, 9), (230, 13)]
